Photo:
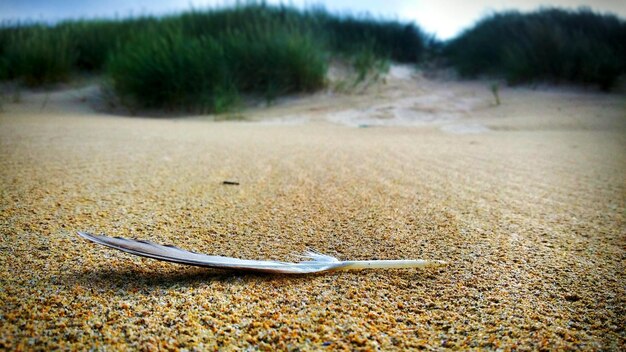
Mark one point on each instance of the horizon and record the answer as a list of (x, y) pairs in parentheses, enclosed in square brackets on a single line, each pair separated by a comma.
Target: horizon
[(444, 19)]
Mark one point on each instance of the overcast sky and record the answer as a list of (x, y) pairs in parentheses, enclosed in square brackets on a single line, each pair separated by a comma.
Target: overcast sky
[(445, 18)]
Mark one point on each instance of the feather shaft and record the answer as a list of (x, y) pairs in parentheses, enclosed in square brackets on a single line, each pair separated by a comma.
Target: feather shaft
[(389, 264)]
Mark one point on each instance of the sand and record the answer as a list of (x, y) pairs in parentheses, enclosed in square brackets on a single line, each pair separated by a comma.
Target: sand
[(526, 200)]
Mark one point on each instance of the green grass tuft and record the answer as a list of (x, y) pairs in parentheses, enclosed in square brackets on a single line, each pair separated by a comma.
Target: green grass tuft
[(276, 62), (168, 70)]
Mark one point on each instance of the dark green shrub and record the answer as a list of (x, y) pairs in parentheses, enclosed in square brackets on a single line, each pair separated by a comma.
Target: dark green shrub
[(391, 39), (93, 41), (550, 44), (37, 56), (241, 18), (403, 42)]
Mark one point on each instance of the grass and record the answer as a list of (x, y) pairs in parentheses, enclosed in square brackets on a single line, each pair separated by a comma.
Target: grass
[(365, 68), (546, 45), (37, 56), (274, 62), (170, 71), (400, 42), (203, 60), (44, 54), (495, 90), (94, 41)]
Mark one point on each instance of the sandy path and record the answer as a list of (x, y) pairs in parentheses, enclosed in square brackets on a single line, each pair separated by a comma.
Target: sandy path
[(530, 213)]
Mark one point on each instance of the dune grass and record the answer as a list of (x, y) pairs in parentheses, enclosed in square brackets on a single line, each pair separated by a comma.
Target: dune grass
[(400, 42), (203, 60), (275, 62), (547, 45), (167, 70), (93, 41), (37, 56), (40, 54)]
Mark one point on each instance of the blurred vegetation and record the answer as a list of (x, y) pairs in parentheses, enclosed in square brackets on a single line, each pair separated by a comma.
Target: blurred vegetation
[(204, 60), (36, 55), (275, 62), (547, 45), (167, 70)]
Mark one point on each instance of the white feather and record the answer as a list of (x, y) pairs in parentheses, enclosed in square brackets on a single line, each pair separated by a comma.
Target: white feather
[(317, 262)]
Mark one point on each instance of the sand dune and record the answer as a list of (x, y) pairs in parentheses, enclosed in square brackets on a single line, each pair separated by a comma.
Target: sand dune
[(526, 200)]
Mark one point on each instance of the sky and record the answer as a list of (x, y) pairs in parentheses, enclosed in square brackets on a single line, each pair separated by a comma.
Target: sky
[(444, 18)]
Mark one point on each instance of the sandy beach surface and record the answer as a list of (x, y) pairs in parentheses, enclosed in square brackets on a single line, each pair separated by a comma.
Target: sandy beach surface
[(526, 200)]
